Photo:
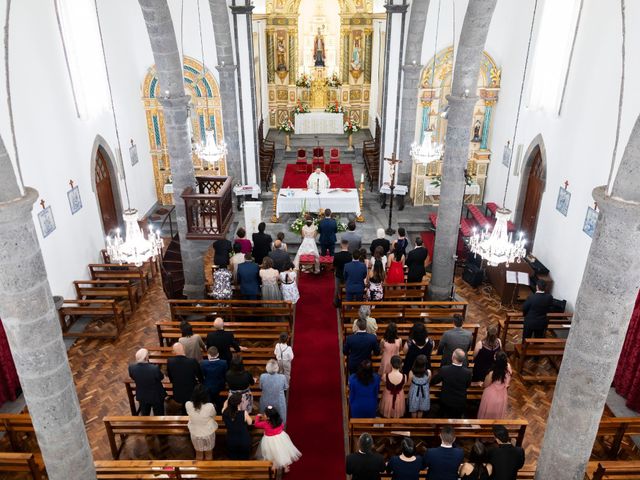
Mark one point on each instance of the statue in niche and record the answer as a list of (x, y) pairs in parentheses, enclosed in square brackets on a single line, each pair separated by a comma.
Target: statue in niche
[(355, 58), (318, 49), (281, 51), (476, 132)]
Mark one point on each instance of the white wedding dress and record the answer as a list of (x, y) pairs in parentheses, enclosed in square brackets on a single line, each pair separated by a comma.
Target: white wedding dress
[(308, 246)]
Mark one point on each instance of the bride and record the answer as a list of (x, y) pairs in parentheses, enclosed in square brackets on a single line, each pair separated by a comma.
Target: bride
[(308, 245)]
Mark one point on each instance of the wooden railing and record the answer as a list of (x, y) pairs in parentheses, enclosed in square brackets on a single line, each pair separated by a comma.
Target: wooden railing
[(209, 210)]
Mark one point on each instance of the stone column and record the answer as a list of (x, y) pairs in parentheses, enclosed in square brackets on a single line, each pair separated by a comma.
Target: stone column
[(412, 69), (391, 90), (461, 104), (175, 104), (228, 96), (246, 78), (35, 338), (603, 309)]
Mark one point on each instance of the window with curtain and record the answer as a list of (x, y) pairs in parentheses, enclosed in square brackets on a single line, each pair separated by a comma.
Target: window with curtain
[(78, 23), (552, 54)]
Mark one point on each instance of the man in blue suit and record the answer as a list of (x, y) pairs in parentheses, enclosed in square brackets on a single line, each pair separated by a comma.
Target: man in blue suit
[(360, 346), (327, 228), (214, 370), (442, 463), (355, 273), (249, 278)]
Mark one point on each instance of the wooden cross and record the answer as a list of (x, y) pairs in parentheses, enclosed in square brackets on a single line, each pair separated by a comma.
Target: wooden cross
[(392, 163), (42, 203), (71, 184), (566, 184)]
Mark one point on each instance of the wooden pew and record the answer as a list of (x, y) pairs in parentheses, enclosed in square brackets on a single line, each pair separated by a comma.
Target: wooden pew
[(436, 330), (231, 310), (24, 463), (617, 428), (515, 321), (527, 472), (428, 429), (107, 310), (409, 310), (539, 347), (405, 291), (119, 290), (627, 470), (263, 332), (19, 430), (123, 426), (178, 469), (115, 271)]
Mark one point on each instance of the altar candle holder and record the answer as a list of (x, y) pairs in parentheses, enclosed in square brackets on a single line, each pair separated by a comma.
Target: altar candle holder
[(360, 218), (274, 217)]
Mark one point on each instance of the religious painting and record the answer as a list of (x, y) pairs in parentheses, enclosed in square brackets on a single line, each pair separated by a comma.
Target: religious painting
[(133, 153), (281, 52), (590, 220), (75, 201), (47, 222), (562, 203), (506, 154)]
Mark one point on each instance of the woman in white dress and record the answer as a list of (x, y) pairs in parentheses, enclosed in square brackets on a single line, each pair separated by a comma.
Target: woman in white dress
[(308, 246)]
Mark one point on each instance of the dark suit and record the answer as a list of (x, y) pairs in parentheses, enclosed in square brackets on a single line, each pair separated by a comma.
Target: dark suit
[(453, 339), (358, 347), (535, 309), (214, 372), (248, 277), (224, 341), (261, 246), (455, 382), (327, 228), (355, 273), (184, 374), (150, 392), (380, 242), (415, 263), (280, 259), (365, 466), (443, 463), (339, 261), (506, 461)]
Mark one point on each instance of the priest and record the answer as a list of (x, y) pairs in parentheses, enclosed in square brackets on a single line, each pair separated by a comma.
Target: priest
[(318, 181)]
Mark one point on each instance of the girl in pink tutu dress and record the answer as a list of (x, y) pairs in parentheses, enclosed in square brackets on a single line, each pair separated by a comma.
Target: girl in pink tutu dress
[(276, 445)]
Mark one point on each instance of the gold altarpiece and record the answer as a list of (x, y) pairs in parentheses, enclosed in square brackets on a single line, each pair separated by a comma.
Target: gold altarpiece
[(355, 46), (432, 99), (205, 113)]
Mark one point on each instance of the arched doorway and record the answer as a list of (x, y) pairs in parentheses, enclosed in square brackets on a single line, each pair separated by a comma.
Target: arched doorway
[(532, 188), (105, 191)]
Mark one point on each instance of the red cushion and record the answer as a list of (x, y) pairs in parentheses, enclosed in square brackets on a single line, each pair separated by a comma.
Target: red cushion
[(326, 259), (492, 207), (307, 258), (466, 227)]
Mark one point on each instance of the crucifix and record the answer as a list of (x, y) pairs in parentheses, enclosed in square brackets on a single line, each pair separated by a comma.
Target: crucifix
[(393, 161)]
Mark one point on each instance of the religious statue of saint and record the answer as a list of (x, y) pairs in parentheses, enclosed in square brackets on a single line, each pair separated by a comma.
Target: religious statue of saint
[(476, 132), (318, 181), (318, 50), (281, 55), (355, 58)]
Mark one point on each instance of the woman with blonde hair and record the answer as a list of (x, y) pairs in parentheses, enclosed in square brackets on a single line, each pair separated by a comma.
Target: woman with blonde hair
[(273, 386)]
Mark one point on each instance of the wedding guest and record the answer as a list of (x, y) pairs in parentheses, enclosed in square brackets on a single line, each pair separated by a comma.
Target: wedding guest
[(184, 374), (279, 256), (284, 355), (395, 272), (389, 347), (495, 397), (355, 274), (202, 424), (418, 343), (221, 288), (478, 467), (354, 238), (365, 464), (245, 243), (239, 381), (485, 353), (221, 252), (419, 400), (269, 277), (364, 386), (442, 463), (280, 236), (375, 290), (273, 385), (400, 244), (392, 404), (261, 243), (364, 313), (193, 345), (235, 260), (455, 338), (407, 465), (237, 421), (506, 459), (214, 370), (340, 259), (276, 445), (417, 261), (455, 379), (360, 346), (289, 284), (249, 278), (150, 392), (380, 241)]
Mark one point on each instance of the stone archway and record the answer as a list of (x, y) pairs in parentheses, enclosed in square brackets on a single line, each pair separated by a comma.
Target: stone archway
[(534, 169), (102, 154)]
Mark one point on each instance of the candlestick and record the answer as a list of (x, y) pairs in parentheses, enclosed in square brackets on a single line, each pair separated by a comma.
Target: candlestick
[(362, 178), (274, 217), (360, 218), (274, 178)]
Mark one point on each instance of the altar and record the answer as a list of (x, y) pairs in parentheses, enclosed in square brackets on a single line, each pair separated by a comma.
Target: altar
[(319, 122), (341, 200)]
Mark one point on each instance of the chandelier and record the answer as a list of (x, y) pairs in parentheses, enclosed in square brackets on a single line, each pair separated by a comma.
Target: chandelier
[(210, 150), (134, 248), (497, 247), (428, 151)]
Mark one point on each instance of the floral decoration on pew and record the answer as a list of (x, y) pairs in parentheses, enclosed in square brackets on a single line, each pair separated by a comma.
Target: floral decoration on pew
[(333, 81), (351, 126), (334, 108), (303, 80), (300, 222), (301, 108), (286, 126)]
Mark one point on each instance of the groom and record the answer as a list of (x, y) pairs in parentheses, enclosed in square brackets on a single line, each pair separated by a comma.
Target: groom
[(327, 228)]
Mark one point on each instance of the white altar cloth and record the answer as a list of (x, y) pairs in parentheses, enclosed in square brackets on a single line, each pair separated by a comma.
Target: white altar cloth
[(319, 122), (473, 189), (343, 200)]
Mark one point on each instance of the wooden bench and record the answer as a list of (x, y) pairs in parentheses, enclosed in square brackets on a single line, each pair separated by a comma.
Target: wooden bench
[(617, 428), (101, 310), (436, 330), (19, 430), (114, 271), (120, 290), (515, 321), (263, 332), (394, 310), (428, 429), (405, 291), (179, 469), (528, 472), (539, 347), (123, 426), (231, 310), (24, 463), (627, 470)]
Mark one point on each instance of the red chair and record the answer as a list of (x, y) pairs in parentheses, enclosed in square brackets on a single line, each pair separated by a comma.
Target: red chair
[(318, 158), (334, 161), (301, 161)]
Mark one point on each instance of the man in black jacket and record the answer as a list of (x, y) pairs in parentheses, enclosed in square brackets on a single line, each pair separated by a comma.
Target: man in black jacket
[(150, 392), (535, 309), (455, 379), (505, 458), (184, 374), (261, 243), (417, 262), (224, 341), (340, 259), (365, 464)]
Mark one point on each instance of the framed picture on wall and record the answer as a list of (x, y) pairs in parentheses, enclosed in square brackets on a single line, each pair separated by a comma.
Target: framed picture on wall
[(562, 203), (133, 153), (590, 220), (506, 154), (47, 222), (75, 202)]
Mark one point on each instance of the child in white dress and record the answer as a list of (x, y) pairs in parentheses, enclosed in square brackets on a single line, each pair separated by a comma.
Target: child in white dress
[(289, 284), (276, 445)]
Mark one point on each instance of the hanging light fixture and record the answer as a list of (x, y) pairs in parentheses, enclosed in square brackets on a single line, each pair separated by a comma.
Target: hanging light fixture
[(497, 247), (428, 151)]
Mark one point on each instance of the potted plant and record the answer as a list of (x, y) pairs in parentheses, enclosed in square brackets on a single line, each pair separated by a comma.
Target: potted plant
[(350, 127), (288, 128)]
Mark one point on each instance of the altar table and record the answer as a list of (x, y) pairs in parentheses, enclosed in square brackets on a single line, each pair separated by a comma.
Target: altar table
[(343, 200), (319, 122)]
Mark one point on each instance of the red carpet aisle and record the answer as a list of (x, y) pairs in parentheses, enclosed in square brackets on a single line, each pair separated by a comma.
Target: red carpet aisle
[(344, 179), (315, 404)]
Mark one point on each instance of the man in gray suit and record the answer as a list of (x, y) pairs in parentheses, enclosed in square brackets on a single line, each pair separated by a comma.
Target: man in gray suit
[(279, 256), (453, 339), (354, 239)]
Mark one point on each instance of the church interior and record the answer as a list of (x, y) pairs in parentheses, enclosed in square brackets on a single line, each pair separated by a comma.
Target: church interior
[(175, 128)]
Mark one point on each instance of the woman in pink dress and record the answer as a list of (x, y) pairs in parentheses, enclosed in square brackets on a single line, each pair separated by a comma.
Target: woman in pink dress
[(392, 404), (495, 398), (389, 346)]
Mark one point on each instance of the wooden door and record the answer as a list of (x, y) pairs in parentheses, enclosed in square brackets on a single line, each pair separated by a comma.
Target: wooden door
[(104, 190), (533, 197)]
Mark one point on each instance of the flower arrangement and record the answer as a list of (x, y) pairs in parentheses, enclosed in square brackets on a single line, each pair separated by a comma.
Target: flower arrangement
[(334, 108), (303, 80), (286, 126), (351, 126), (333, 80), (300, 108), (301, 221), (437, 181)]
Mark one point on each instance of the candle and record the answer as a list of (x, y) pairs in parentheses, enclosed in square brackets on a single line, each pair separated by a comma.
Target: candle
[(362, 178), (274, 178)]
